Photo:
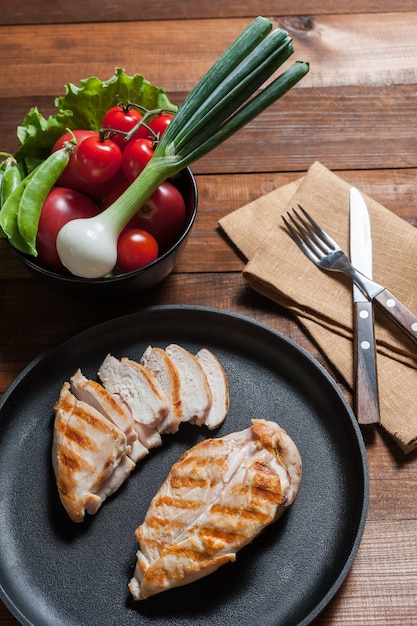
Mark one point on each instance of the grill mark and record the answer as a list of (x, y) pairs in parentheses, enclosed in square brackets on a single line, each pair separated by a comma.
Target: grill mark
[(81, 439), (250, 514), (101, 425), (213, 536), (266, 495), (177, 503), (161, 522), (189, 553), (203, 460), (189, 482)]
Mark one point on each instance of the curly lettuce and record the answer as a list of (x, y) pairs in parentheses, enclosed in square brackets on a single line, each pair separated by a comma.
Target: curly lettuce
[(83, 107)]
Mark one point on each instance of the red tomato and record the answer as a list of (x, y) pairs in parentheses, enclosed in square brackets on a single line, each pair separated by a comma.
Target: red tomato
[(98, 160), (114, 193), (61, 206), (136, 155), (163, 215), (72, 178), (135, 249), (124, 119), (160, 123)]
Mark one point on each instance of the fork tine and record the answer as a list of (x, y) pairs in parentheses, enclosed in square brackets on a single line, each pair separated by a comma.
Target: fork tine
[(319, 231), (305, 243), (309, 236)]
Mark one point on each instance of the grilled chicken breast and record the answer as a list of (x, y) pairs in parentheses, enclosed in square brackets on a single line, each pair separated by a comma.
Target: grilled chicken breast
[(102, 430), (219, 496), (90, 455)]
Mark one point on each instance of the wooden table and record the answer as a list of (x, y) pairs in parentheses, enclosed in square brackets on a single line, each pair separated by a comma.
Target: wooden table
[(355, 112)]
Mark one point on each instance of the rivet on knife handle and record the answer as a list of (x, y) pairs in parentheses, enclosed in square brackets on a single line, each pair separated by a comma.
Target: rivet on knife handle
[(365, 383), (398, 312)]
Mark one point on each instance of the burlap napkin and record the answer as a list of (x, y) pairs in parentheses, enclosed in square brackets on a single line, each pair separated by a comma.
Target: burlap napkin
[(322, 301)]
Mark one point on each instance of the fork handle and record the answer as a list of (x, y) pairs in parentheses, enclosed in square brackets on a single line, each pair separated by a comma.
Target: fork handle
[(364, 357), (398, 312)]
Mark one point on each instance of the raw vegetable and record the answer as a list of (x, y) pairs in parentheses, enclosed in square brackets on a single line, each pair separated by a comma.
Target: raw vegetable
[(97, 159), (35, 192), (160, 123), (8, 215), (61, 206), (19, 215), (122, 118), (135, 249), (218, 106), (10, 178), (71, 176), (163, 215), (136, 156), (83, 107)]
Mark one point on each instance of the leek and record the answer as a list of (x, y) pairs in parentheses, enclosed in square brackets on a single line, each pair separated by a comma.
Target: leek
[(220, 104)]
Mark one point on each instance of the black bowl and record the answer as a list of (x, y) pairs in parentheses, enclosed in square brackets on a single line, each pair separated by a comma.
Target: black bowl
[(131, 282)]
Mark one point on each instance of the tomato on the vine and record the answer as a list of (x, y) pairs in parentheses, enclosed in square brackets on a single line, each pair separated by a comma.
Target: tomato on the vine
[(135, 249), (163, 215), (97, 159), (160, 123), (61, 206), (136, 155), (123, 118), (72, 178)]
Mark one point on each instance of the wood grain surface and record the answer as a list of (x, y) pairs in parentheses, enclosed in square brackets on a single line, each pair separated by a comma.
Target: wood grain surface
[(355, 112)]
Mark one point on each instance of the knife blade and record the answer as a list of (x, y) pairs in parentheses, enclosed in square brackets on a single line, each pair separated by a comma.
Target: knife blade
[(364, 350)]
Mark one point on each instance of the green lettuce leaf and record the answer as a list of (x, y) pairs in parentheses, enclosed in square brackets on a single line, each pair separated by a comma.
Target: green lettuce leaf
[(83, 107)]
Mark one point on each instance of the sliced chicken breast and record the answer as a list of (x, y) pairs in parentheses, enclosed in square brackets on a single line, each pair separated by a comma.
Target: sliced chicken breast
[(219, 496), (89, 455), (219, 387), (98, 397), (137, 387), (165, 371), (194, 388)]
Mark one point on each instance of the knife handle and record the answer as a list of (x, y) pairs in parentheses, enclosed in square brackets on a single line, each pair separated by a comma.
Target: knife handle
[(398, 312), (365, 375)]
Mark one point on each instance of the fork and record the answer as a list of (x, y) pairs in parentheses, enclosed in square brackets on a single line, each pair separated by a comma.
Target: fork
[(324, 252)]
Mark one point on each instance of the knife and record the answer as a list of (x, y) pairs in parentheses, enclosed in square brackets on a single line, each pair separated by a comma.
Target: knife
[(364, 351)]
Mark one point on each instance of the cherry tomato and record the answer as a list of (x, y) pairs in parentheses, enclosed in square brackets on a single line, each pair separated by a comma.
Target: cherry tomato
[(124, 119), (135, 249), (61, 206), (136, 155), (72, 178), (163, 215), (160, 123), (98, 160)]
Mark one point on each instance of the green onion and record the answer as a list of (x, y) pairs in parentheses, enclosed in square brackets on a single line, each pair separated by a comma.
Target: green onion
[(226, 98)]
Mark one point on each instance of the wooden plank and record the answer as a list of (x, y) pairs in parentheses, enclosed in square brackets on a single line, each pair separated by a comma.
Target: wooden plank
[(384, 563), (59, 11), (347, 127), (343, 51), (218, 195)]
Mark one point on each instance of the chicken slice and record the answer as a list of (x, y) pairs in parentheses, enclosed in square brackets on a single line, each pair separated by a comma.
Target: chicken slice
[(97, 396), (89, 455), (219, 387), (147, 435), (195, 391), (219, 496), (138, 389), (165, 371)]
